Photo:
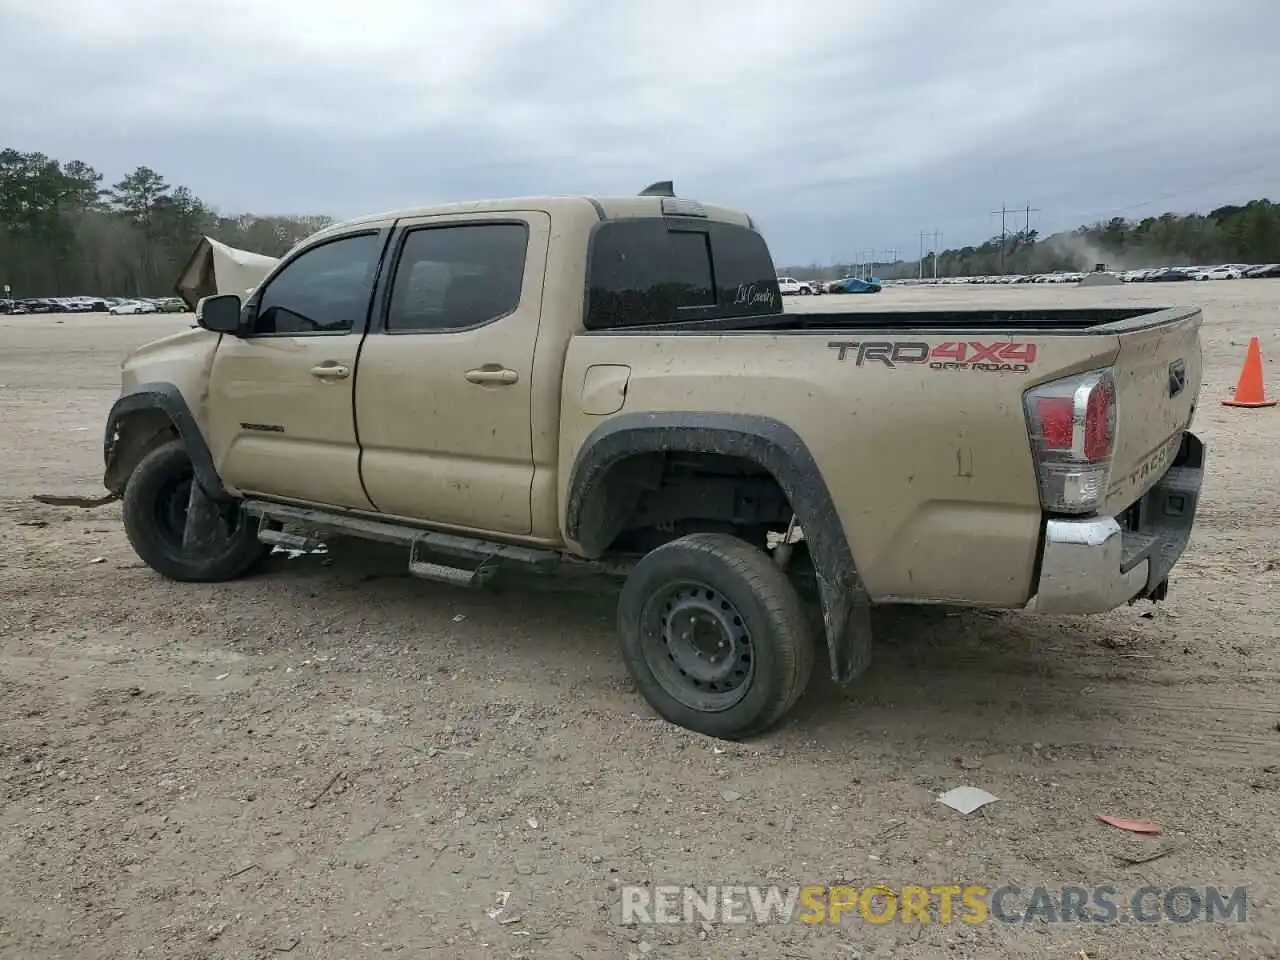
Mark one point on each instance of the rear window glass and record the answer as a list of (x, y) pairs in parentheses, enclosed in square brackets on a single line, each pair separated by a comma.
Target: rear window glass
[(652, 270)]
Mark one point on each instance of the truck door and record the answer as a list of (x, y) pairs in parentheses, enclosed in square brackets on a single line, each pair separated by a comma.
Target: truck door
[(443, 396), (280, 406)]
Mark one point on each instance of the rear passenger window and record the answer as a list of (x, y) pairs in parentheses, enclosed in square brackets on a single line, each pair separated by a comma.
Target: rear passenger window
[(652, 270), (456, 277)]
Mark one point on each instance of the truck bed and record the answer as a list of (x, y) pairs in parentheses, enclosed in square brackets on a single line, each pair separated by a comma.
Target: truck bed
[(916, 419)]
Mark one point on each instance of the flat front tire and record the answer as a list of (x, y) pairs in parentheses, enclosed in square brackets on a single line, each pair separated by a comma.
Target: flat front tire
[(155, 511), (715, 636)]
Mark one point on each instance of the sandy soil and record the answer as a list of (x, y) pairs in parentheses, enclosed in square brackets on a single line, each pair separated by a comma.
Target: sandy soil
[(332, 760)]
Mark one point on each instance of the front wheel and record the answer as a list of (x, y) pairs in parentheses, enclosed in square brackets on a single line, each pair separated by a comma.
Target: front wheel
[(715, 636), (155, 516)]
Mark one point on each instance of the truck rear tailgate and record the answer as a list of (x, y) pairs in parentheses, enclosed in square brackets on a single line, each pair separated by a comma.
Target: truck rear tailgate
[(1157, 375)]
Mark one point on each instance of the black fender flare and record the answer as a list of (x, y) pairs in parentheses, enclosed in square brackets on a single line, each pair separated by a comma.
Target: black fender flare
[(776, 448), (167, 399)]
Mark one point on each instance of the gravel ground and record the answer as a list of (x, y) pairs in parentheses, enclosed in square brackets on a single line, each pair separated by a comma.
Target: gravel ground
[(332, 760)]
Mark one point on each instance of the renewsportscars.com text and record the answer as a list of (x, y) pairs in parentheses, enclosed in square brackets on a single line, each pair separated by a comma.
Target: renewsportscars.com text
[(945, 903)]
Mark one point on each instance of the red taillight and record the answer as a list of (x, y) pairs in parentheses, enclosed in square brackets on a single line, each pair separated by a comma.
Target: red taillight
[(1072, 425), (1057, 421), (1098, 421)]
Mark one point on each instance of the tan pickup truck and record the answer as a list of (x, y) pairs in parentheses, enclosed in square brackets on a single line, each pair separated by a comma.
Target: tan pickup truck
[(541, 381)]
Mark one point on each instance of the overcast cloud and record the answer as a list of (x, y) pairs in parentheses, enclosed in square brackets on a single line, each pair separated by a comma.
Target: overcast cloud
[(841, 126)]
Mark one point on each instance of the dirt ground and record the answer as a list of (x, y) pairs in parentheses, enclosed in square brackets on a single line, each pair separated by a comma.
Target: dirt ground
[(332, 760)]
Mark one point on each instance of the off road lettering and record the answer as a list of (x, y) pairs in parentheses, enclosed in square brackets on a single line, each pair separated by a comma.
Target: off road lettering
[(1000, 367)]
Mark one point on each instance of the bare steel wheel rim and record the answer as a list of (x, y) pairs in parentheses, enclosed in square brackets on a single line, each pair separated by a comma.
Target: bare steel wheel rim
[(698, 646)]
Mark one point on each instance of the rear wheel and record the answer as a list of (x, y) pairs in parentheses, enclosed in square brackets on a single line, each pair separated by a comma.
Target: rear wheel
[(715, 636), (155, 517)]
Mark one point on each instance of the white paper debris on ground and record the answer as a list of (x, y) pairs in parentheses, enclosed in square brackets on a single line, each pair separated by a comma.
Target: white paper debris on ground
[(965, 800), (502, 912)]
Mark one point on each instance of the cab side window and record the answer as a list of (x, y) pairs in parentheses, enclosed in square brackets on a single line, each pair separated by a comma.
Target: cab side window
[(325, 290), (654, 270), (457, 277)]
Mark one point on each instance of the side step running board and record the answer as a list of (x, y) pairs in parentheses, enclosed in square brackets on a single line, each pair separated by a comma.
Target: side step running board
[(445, 573), (482, 558)]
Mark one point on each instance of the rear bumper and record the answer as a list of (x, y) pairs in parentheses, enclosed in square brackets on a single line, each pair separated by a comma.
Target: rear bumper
[(1099, 563)]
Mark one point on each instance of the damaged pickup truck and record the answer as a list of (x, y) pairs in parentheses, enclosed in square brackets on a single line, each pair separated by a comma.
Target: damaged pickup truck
[(531, 382)]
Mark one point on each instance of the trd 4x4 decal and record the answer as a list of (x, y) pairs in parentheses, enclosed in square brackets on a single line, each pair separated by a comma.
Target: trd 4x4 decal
[(1000, 357)]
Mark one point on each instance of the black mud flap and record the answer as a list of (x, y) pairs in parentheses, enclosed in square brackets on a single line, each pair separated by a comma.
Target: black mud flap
[(846, 619), (205, 529)]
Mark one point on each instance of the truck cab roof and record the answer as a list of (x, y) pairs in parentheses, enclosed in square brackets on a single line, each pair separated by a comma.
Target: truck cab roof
[(599, 208)]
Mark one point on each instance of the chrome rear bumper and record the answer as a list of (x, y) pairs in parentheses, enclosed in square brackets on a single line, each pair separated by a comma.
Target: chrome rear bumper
[(1096, 564)]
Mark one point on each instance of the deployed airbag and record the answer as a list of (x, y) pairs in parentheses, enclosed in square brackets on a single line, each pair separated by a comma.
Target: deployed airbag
[(215, 267)]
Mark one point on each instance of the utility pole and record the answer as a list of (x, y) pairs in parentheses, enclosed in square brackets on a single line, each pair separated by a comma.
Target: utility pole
[(924, 238), (1003, 211)]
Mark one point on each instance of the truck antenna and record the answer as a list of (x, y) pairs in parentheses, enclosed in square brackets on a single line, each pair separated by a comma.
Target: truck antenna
[(663, 188)]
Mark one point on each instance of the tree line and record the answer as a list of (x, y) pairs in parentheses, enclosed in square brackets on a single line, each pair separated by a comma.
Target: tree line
[(1231, 234), (64, 233)]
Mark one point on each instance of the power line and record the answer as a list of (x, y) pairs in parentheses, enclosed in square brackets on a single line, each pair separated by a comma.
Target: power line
[(1004, 212)]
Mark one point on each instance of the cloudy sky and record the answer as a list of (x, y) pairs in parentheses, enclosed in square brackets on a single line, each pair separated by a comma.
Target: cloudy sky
[(842, 126)]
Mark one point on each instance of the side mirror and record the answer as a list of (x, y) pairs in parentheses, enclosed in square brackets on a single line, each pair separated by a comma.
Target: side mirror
[(220, 313)]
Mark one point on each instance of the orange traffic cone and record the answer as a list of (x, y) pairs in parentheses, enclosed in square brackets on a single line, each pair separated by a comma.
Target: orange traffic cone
[(1250, 391)]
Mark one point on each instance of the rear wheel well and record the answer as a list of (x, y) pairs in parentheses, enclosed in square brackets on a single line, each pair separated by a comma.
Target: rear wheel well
[(137, 434), (647, 499)]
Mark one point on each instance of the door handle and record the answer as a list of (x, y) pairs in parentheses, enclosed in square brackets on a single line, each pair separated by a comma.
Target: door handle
[(493, 374), (331, 371)]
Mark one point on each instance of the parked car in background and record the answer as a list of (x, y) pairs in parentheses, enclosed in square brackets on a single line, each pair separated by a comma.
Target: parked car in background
[(132, 307), (171, 305), (1219, 273), (790, 286), (1167, 275), (853, 285)]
